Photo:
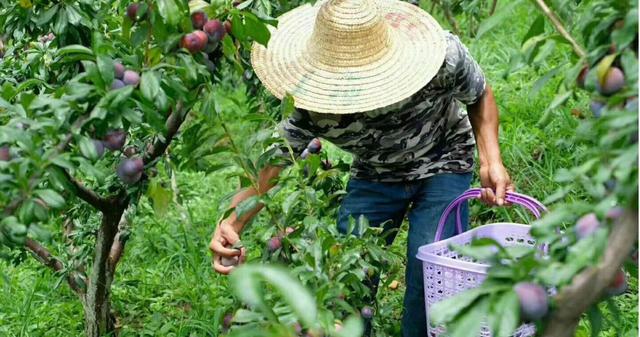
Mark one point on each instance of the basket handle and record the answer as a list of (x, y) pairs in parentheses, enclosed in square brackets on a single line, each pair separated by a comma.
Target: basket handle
[(533, 205)]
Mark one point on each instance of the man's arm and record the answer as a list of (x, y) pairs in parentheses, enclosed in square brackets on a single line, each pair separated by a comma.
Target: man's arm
[(228, 230), (485, 122)]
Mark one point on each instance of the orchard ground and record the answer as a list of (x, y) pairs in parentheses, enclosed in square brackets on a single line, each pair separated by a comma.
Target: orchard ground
[(165, 284)]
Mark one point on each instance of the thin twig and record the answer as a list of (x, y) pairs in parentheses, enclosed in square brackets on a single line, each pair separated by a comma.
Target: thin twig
[(88, 195), (44, 256), (555, 21)]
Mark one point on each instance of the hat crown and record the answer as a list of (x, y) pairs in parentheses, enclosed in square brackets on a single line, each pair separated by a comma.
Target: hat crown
[(349, 33)]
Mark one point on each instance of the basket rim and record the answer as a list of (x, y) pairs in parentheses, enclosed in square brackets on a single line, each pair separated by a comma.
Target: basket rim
[(425, 255)]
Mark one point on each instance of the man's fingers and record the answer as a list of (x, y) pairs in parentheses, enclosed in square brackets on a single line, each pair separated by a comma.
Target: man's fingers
[(230, 235), (501, 187), (218, 267), (218, 248)]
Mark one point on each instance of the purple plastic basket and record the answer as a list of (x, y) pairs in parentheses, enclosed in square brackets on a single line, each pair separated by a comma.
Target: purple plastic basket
[(447, 273)]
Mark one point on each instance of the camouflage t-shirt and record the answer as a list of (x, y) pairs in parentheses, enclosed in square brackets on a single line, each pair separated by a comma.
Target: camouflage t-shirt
[(427, 134)]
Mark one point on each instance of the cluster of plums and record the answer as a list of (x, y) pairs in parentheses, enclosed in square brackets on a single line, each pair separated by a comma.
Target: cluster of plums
[(206, 35), (130, 169), (123, 77)]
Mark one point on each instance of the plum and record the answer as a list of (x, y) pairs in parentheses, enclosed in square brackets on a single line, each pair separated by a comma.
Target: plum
[(615, 213), (226, 322), (314, 146), (215, 29), (5, 153), (533, 301), (632, 104), (202, 37), (198, 19), (192, 43), (582, 76), (118, 70), (274, 244), (130, 170), (131, 77), (117, 84), (229, 261), (619, 284), (366, 312), (99, 146), (613, 81), (227, 26), (587, 225), (114, 140), (132, 11), (596, 108)]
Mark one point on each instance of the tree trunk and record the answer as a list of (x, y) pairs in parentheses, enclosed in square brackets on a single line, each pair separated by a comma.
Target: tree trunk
[(97, 302)]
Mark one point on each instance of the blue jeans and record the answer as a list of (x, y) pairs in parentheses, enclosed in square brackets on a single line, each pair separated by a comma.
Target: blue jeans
[(425, 200)]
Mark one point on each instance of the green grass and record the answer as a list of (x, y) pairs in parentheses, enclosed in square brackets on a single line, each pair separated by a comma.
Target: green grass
[(165, 286)]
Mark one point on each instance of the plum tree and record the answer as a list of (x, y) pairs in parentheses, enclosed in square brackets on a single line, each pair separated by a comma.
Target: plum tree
[(587, 225), (533, 301), (115, 139), (130, 170)]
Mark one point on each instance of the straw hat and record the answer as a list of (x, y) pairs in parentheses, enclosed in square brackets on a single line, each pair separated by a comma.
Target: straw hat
[(348, 56)]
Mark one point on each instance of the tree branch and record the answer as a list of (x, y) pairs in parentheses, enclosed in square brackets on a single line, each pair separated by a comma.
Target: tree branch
[(560, 28), (173, 123), (43, 255), (588, 287), (117, 248), (88, 195)]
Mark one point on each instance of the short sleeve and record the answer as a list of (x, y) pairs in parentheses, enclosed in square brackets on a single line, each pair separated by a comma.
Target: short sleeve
[(468, 78), (296, 131)]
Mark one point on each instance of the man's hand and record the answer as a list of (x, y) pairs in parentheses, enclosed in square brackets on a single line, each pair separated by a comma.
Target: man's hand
[(495, 182), (225, 236)]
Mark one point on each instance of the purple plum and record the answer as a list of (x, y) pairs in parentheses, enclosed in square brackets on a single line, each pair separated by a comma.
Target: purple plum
[(314, 146), (130, 170), (115, 139), (586, 225), (533, 301), (5, 153), (612, 83), (131, 77), (366, 312), (118, 70), (117, 84)]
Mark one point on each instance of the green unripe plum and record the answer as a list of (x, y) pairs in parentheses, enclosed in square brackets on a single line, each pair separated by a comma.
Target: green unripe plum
[(612, 83)]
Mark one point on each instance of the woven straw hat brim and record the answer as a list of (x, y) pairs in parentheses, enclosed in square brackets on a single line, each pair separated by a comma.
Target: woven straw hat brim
[(413, 58)]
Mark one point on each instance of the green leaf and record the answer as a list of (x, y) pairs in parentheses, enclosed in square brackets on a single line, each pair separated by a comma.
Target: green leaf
[(106, 69), (152, 91), (287, 106), (256, 29), (504, 314), (247, 205), (51, 198), (169, 11), (536, 28), (160, 196), (470, 322), (595, 318), (87, 148), (446, 310), (245, 281), (497, 18), (74, 49), (352, 327)]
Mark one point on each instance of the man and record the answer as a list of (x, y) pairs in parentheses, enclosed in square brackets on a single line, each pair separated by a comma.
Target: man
[(381, 80)]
